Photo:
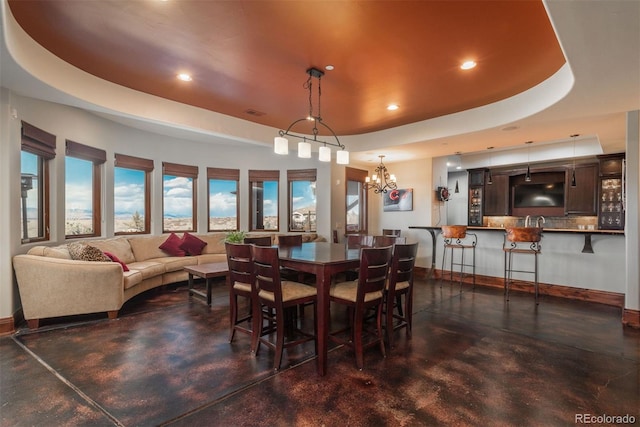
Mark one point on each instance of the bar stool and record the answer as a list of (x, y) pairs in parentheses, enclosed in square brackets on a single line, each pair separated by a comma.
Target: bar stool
[(457, 238), (521, 240)]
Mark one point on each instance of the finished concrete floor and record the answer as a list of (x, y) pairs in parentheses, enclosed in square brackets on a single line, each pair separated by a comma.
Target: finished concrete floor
[(473, 360)]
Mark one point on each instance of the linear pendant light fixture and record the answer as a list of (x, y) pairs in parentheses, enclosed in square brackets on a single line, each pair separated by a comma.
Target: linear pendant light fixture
[(281, 144)]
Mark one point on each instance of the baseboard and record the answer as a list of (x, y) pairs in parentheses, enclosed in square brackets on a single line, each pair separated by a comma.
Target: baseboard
[(601, 297), (631, 318), (7, 326)]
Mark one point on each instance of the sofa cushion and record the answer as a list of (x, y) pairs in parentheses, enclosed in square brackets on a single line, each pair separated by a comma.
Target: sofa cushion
[(215, 243), (118, 246), (147, 268), (172, 245), (175, 263), (114, 258), (132, 278), (192, 245), (147, 247), (208, 258), (82, 252), (61, 252)]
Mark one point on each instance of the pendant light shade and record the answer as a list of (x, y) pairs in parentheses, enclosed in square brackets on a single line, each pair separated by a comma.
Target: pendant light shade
[(281, 145), (342, 157), (304, 150), (324, 154)]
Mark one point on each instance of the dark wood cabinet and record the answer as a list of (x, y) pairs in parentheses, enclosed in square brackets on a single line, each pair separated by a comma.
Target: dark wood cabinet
[(476, 197), (476, 177), (582, 198), (475, 206), (611, 192), (496, 196)]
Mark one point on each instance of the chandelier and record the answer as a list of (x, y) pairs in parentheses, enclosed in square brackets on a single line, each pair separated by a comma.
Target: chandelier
[(381, 181), (281, 144)]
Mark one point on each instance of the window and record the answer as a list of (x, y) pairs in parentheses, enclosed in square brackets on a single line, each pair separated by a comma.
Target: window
[(82, 190), (356, 201), (223, 199), (302, 199), (178, 197), (263, 204), (131, 195), (38, 147)]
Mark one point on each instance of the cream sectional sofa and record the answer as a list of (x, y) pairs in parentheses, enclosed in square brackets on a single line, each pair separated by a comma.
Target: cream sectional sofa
[(52, 284)]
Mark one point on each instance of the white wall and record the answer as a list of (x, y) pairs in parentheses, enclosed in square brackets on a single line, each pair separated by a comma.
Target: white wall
[(458, 204)]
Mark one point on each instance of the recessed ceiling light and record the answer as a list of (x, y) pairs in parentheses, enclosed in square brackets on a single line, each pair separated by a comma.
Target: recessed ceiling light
[(467, 65), (184, 77), (392, 107), (329, 67)]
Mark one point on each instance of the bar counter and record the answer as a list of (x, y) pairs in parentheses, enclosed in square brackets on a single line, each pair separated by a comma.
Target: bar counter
[(565, 254)]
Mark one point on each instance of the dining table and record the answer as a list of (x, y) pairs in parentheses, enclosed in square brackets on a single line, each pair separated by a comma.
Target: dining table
[(324, 260)]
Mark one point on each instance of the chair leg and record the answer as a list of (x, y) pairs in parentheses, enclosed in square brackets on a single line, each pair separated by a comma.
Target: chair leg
[(389, 319), (233, 314), (536, 277), (379, 325), (357, 339), (280, 332), (444, 257), (508, 273), (461, 267), (256, 325), (451, 267), (408, 298), (473, 251)]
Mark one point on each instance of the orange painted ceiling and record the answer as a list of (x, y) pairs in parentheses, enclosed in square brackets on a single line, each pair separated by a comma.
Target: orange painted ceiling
[(252, 56)]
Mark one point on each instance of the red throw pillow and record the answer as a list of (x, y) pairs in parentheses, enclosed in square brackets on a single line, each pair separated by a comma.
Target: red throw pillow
[(172, 245), (116, 259), (192, 245)]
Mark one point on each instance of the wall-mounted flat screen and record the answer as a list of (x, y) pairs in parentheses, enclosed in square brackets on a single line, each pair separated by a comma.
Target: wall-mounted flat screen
[(538, 195)]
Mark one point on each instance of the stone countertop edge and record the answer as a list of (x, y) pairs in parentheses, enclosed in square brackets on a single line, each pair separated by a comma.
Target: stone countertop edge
[(544, 230)]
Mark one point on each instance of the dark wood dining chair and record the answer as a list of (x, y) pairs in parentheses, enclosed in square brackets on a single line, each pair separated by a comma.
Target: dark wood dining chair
[(277, 296), (388, 240), (259, 240), (290, 240), (359, 241), (390, 232), (360, 296), (241, 284), (287, 273), (400, 284)]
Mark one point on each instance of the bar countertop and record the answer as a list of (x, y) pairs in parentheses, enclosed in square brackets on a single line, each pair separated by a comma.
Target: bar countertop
[(544, 229), (587, 248)]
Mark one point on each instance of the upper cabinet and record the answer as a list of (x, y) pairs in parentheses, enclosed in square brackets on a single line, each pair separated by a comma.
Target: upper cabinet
[(581, 199), (611, 164), (496, 197)]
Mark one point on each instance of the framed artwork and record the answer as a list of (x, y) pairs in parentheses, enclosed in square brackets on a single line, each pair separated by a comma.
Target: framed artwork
[(398, 200)]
